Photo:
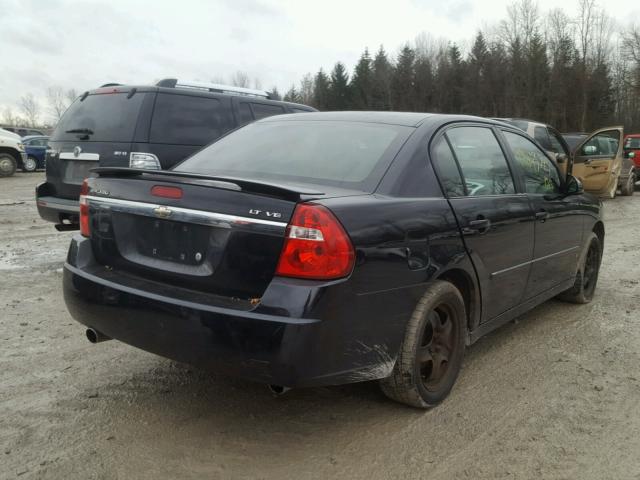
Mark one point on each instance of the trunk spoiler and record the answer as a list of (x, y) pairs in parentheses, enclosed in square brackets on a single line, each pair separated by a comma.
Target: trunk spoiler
[(288, 191)]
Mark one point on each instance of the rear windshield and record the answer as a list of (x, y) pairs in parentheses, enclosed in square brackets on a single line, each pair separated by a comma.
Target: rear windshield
[(343, 154), (111, 117), (632, 143)]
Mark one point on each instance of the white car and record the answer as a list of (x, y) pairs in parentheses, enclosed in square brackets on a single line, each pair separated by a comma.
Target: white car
[(12, 153)]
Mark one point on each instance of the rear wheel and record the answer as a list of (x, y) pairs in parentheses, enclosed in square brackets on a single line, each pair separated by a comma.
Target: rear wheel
[(432, 350), (30, 164), (8, 165), (587, 276)]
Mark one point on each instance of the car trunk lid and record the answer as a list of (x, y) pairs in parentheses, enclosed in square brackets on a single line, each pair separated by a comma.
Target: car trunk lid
[(221, 236)]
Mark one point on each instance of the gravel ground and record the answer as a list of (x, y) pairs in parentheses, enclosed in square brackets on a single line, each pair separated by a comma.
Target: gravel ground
[(554, 395)]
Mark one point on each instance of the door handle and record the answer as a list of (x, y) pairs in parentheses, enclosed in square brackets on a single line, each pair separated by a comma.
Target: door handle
[(542, 215), (480, 225)]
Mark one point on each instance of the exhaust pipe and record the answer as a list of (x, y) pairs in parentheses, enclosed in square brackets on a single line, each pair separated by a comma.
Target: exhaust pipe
[(278, 390), (94, 336)]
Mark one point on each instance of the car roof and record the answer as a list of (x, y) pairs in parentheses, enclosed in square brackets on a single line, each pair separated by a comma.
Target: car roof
[(408, 119), (118, 88), (31, 137)]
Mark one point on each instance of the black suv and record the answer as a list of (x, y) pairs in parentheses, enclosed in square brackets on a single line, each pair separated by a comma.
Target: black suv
[(151, 127)]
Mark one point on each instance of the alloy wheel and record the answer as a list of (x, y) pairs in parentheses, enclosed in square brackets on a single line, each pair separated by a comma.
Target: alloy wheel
[(437, 346)]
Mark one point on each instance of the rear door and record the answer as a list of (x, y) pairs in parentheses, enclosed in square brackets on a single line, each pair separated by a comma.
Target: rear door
[(96, 130), (597, 160), (558, 222), (496, 221)]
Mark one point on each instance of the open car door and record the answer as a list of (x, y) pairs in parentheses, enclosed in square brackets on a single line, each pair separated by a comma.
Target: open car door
[(597, 161)]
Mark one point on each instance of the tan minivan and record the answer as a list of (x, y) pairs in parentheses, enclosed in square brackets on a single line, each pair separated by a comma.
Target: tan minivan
[(597, 159)]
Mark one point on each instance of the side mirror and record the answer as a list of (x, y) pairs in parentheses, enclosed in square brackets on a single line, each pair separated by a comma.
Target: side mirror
[(630, 154), (589, 150), (573, 186)]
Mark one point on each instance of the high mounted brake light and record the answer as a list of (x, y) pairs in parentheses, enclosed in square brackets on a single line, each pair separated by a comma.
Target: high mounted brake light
[(316, 246), (85, 229)]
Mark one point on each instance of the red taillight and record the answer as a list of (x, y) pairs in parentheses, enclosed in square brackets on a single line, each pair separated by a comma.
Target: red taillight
[(84, 209), (316, 246), (166, 192)]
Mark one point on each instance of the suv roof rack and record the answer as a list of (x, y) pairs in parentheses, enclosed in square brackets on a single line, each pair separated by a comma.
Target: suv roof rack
[(212, 87)]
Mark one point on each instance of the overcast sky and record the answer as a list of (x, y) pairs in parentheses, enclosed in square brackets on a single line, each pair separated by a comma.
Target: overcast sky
[(83, 44)]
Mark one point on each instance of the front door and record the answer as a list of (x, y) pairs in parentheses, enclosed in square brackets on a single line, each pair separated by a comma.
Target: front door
[(597, 161), (559, 224), (496, 222)]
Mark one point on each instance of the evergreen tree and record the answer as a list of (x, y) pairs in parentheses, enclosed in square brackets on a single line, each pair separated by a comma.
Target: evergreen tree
[(321, 91), (339, 94), (362, 82), (382, 73), (403, 87), (292, 95)]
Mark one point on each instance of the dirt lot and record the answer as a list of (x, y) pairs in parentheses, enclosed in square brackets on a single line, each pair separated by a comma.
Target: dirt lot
[(554, 395)]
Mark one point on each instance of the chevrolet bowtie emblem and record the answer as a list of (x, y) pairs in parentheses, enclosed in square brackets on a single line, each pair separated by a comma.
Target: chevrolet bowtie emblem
[(162, 212)]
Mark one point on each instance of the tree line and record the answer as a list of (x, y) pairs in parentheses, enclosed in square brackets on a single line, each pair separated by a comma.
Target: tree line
[(577, 74)]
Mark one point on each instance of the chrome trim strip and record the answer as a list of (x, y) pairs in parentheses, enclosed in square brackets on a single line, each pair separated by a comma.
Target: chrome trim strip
[(187, 215), (93, 157), (562, 252)]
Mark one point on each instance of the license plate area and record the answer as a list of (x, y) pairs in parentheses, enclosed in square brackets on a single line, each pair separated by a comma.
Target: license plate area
[(178, 242), (77, 170)]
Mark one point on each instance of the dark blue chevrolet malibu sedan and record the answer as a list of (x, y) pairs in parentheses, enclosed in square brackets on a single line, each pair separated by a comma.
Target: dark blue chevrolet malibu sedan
[(330, 248)]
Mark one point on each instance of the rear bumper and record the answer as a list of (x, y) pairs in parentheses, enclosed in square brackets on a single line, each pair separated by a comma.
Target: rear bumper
[(56, 209), (302, 334)]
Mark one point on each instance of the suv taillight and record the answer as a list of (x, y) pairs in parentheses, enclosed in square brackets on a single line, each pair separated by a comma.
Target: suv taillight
[(84, 209), (316, 246)]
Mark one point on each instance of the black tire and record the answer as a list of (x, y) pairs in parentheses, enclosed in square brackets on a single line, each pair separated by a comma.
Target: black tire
[(629, 186), (587, 276), (435, 335), (8, 165), (30, 164)]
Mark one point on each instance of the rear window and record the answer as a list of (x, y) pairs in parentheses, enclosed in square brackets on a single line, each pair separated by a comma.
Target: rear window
[(345, 154), (261, 110), (111, 117), (189, 120)]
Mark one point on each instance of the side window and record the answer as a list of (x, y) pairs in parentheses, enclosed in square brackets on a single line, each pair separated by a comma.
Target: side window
[(542, 137), (445, 163), (245, 113), (556, 144), (481, 160), (602, 144), (263, 110), (539, 172), (188, 120)]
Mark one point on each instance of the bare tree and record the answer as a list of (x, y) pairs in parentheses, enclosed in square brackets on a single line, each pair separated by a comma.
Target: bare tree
[(240, 79), (522, 23), (306, 89), (8, 118), (586, 12), (603, 27), (71, 96), (57, 102), (558, 30), (30, 108)]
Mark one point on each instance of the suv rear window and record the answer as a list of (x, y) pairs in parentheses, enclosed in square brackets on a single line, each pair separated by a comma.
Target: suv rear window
[(111, 117), (347, 154), (188, 120)]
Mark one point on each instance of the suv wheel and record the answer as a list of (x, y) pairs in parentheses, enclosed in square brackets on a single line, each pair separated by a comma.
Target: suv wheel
[(629, 187), (7, 165), (432, 350), (587, 276), (30, 164)]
